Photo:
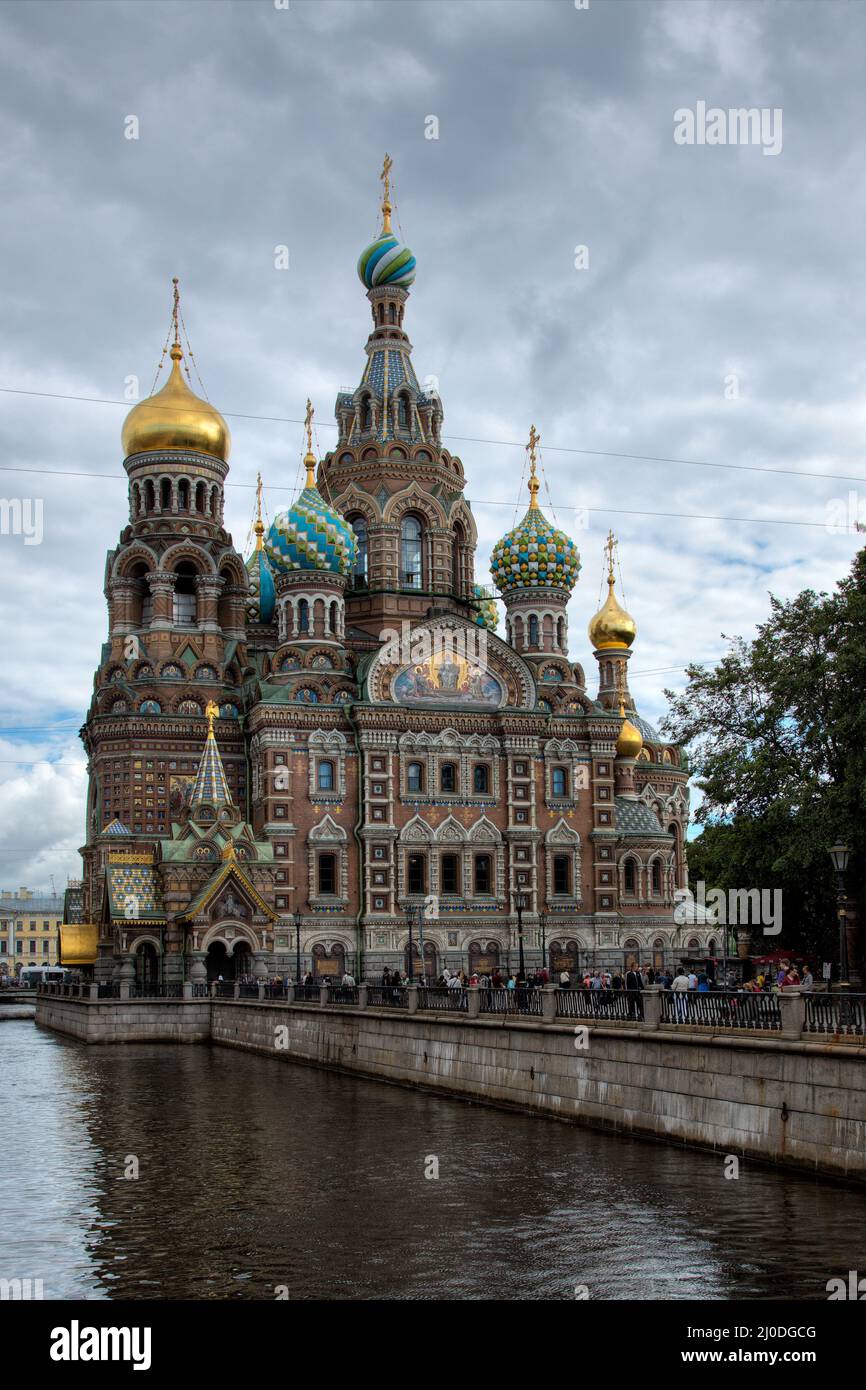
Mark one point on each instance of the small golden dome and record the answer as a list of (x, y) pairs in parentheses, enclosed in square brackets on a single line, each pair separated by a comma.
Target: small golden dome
[(175, 418), (630, 741), (612, 626)]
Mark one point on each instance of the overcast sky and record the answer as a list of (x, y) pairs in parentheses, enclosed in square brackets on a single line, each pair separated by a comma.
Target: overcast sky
[(261, 126)]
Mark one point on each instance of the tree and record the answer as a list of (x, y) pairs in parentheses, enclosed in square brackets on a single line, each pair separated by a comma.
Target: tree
[(776, 734)]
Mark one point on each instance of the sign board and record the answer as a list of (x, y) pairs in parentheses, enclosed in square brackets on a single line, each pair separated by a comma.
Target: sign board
[(826, 971)]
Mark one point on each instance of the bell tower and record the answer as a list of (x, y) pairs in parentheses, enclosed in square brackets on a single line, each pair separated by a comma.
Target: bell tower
[(400, 490)]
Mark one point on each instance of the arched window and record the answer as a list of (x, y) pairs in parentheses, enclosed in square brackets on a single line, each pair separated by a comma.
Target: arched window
[(533, 630), (481, 779), (325, 776), (415, 777), (448, 777), (199, 497), (392, 313), (657, 876), (183, 601), (628, 877), (457, 558), (559, 781), (402, 409), (482, 873), (410, 545), (183, 495), (149, 496), (359, 526), (165, 495), (560, 633), (303, 615), (366, 413)]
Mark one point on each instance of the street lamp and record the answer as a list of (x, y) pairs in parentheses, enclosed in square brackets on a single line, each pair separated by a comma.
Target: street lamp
[(840, 855), (297, 946), (410, 918), (520, 904)]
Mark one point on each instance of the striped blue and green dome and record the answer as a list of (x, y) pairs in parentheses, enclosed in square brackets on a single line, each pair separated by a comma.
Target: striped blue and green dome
[(386, 262), (262, 592), (534, 555), (487, 614), (310, 536)]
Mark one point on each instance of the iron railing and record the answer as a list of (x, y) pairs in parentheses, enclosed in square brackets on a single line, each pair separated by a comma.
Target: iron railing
[(449, 1000), (843, 1014), (722, 1009), (520, 1000), (619, 1004), (387, 996), (342, 994)]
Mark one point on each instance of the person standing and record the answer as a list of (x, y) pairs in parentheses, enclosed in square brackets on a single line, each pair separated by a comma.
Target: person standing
[(633, 988), (680, 988), (807, 984)]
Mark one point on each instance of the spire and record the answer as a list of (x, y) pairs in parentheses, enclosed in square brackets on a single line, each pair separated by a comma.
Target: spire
[(211, 787), (534, 485), (386, 195), (259, 526), (310, 457)]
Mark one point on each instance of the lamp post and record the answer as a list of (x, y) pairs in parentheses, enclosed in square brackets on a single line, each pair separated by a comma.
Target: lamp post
[(840, 854), (520, 904), (542, 936), (410, 918), (297, 946)]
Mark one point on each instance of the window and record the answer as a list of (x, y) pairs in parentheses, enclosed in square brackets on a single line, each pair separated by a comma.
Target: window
[(559, 781), (415, 867), (325, 776), (303, 615), (448, 777), (657, 876), (415, 777), (481, 779), (183, 599), (482, 873), (533, 630), (450, 873), (410, 552), (327, 874), (359, 526), (561, 874), (628, 877), (402, 406)]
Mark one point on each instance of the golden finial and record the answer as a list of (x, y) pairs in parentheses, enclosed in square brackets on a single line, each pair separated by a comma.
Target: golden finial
[(534, 485), (259, 527), (176, 353), (212, 712), (610, 547), (310, 457), (386, 195)]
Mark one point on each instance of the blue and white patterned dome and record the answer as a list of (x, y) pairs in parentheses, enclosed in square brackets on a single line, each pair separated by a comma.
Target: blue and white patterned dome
[(386, 262), (534, 555), (261, 585), (310, 536)]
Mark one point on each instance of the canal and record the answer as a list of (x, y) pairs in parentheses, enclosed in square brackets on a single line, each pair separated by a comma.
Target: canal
[(256, 1175)]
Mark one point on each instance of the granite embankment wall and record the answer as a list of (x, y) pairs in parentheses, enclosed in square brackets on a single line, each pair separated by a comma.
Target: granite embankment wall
[(795, 1102)]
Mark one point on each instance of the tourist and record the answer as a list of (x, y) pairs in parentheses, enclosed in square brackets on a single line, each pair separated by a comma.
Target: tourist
[(703, 983), (454, 981), (633, 986), (616, 981), (680, 987), (564, 980), (348, 980), (807, 984), (386, 978), (693, 980)]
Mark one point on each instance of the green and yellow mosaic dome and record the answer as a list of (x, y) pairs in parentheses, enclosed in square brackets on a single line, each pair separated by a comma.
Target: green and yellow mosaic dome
[(487, 613), (534, 555), (310, 536)]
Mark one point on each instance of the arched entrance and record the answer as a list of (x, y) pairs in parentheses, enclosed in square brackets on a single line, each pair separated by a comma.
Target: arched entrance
[(146, 964), (329, 961), (483, 960), (431, 973), (563, 955), (631, 954), (219, 963)]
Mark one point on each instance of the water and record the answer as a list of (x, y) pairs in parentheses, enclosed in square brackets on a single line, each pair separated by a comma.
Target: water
[(256, 1174)]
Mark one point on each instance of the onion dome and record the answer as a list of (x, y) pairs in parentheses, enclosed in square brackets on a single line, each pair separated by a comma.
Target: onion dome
[(175, 418), (487, 613), (612, 627), (630, 742), (310, 535), (535, 554), (386, 261)]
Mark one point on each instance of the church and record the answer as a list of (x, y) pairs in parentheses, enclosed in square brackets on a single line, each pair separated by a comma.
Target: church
[(301, 758)]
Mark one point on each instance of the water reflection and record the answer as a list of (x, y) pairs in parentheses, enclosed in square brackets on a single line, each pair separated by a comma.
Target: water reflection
[(257, 1173)]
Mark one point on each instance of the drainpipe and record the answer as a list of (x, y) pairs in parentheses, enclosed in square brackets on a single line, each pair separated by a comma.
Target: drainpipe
[(359, 934)]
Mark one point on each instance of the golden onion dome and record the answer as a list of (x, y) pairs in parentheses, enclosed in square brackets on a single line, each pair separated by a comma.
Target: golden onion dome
[(175, 418), (612, 626), (630, 740)]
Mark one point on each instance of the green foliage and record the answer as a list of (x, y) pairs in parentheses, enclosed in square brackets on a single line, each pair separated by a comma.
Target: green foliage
[(777, 743)]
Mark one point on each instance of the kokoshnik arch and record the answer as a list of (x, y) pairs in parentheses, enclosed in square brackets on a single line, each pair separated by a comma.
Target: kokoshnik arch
[(255, 751)]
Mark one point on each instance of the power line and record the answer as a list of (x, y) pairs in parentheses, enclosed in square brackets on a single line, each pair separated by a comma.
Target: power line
[(467, 439), (496, 502)]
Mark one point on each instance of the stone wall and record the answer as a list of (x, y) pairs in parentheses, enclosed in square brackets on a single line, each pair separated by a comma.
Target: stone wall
[(795, 1102)]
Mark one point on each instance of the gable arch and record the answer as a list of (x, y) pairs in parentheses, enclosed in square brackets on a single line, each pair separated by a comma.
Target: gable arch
[(190, 552), (136, 554), (413, 499)]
